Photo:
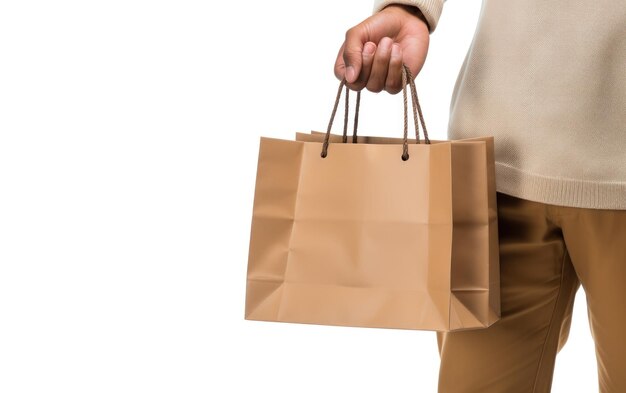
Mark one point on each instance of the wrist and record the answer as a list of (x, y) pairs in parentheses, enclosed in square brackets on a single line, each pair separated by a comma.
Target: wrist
[(411, 9)]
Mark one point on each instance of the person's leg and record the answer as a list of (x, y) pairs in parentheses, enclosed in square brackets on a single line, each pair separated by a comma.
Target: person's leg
[(538, 286), (596, 240)]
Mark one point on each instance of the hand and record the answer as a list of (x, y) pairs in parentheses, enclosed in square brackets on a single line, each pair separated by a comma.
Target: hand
[(374, 50)]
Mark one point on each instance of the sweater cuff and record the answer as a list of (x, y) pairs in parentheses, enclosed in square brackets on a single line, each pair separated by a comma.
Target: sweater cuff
[(430, 8)]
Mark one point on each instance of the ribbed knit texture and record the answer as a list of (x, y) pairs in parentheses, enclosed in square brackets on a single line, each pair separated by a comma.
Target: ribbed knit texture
[(548, 80)]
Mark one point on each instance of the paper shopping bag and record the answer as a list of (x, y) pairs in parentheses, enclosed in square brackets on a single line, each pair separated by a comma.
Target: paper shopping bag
[(473, 198), (377, 232)]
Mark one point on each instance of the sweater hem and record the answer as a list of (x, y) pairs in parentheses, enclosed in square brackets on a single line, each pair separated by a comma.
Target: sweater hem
[(560, 191)]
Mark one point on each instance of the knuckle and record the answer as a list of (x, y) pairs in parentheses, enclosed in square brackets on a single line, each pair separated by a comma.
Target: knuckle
[(338, 69), (374, 87), (356, 86), (393, 90), (355, 32), (350, 33), (393, 85)]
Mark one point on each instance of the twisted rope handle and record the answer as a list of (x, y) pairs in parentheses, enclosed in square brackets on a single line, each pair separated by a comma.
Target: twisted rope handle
[(416, 103), (346, 111), (406, 77)]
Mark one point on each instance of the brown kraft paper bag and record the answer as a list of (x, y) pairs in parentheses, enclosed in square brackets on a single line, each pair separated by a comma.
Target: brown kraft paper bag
[(375, 232)]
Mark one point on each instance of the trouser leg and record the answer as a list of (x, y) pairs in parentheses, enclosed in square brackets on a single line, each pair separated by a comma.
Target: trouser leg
[(596, 240), (538, 287)]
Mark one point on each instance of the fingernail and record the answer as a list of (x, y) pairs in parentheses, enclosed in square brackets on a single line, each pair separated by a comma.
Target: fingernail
[(369, 48), (350, 74), (385, 43)]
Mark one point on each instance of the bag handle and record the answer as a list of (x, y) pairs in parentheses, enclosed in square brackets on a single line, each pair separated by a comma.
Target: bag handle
[(406, 75)]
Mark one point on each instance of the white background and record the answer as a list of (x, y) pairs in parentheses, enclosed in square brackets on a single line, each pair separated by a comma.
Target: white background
[(129, 140)]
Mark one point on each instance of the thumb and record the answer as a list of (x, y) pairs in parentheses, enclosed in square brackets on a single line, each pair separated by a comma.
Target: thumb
[(356, 37)]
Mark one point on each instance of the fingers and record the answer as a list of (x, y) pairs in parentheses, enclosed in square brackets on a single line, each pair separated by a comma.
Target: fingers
[(393, 84), (367, 58), (369, 49), (388, 74), (378, 74)]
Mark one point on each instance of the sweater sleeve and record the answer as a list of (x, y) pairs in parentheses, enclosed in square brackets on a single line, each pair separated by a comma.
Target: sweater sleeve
[(430, 8)]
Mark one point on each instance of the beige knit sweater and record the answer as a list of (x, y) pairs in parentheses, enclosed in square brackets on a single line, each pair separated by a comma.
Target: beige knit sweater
[(548, 80)]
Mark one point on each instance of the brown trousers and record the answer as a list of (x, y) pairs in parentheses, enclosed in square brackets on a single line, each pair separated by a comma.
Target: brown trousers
[(546, 253)]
